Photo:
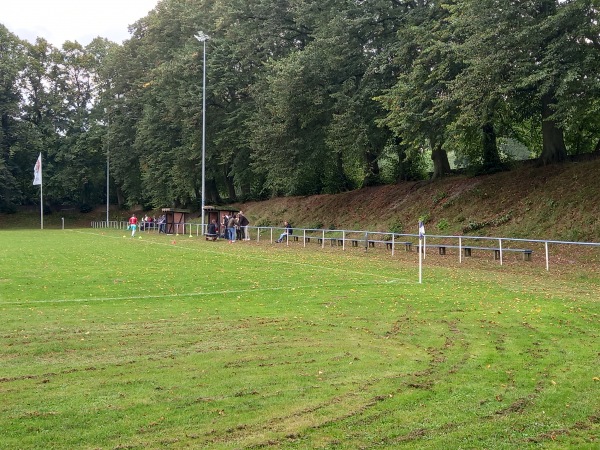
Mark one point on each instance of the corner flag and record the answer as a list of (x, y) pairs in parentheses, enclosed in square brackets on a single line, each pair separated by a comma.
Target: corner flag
[(37, 172), (421, 230), (37, 181)]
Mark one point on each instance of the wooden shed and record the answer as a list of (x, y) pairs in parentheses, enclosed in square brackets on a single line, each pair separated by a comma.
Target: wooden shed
[(175, 220), (217, 213)]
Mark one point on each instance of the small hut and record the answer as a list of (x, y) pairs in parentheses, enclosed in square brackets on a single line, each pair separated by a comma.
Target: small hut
[(218, 214), (175, 220)]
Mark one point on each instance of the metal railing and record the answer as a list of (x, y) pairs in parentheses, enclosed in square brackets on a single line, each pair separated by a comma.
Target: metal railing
[(373, 239)]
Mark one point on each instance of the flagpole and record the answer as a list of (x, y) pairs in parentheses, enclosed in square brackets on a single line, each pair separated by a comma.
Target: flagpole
[(422, 248), (420, 261), (41, 206)]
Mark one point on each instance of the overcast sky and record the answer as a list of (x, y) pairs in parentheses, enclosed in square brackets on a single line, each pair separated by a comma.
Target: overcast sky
[(72, 20)]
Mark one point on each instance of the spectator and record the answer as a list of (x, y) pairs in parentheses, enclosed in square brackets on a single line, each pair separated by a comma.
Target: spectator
[(231, 229), (146, 223), (244, 222), (162, 220), (224, 230), (238, 228), (213, 231), (288, 231)]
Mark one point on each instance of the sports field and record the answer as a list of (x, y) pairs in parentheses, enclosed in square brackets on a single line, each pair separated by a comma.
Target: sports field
[(175, 342)]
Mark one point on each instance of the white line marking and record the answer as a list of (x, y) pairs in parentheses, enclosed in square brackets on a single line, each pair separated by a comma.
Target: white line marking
[(314, 266), (192, 294), (387, 280)]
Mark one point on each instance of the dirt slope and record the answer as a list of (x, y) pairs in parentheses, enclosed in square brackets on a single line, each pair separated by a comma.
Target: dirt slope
[(553, 202), (559, 202)]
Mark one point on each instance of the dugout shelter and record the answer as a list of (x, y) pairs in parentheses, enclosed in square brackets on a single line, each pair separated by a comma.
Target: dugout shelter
[(175, 220)]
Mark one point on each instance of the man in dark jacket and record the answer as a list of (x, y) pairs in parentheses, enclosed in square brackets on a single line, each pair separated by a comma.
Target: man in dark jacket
[(244, 222), (213, 232)]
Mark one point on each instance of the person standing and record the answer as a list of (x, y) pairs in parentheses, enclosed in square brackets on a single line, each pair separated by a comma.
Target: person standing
[(161, 223), (244, 222), (133, 224), (223, 229), (231, 229)]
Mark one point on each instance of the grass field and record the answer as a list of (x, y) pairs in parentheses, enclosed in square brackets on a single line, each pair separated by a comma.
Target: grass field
[(173, 342)]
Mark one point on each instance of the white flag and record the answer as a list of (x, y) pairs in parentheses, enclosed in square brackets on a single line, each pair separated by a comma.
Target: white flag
[(37, 171), (421, 230)]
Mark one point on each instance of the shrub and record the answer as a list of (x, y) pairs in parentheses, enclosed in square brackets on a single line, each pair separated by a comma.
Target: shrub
[(395, 226), (443, 225), (8, 208)]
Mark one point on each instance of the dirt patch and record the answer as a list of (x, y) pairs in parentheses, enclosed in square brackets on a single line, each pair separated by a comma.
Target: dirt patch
[(557, 202)]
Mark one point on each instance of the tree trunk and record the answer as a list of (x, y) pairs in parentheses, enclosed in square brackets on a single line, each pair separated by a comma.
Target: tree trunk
[(491, 157), (554, 149), (212, 192), (344, 183), (441, 165), (372, 176), (230, 184)]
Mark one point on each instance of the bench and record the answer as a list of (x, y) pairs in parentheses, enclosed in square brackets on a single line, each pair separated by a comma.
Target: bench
[(299, 238), (467, 250), (388, 244), (442, 248), (355, 242), (526, 252), (332, 241), (306, 238), (407, 245)]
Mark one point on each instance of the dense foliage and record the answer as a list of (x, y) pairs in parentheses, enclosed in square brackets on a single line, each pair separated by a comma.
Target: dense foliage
[(302, 97)]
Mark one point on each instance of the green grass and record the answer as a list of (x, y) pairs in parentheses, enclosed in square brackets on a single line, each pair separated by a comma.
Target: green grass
[(174, 342)]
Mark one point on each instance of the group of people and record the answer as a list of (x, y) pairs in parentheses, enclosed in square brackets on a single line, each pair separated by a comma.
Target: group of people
[(147, 223), (235, 227)]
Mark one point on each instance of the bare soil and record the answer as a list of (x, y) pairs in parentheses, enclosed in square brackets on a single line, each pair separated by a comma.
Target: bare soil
[(559, 202)]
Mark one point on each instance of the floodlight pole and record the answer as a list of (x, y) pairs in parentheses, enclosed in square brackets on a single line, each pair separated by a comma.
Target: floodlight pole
[(108, 177), (203, 38), (107, 172)]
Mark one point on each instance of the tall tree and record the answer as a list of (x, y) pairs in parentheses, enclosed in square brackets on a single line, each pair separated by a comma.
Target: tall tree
[(11, 64), (519, 55), (418, 110)]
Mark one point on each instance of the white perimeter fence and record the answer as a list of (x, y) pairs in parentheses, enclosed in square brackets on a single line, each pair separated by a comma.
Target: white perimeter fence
[(463, 246)]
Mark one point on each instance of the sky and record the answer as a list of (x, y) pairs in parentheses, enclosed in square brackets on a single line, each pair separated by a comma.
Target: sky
[(72, 20)]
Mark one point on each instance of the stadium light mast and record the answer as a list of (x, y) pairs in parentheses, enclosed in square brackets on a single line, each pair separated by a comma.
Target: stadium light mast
[(108, 172), (202, 37)]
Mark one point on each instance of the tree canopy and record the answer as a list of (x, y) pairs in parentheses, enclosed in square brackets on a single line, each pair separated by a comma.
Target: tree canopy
[(302, 97)]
